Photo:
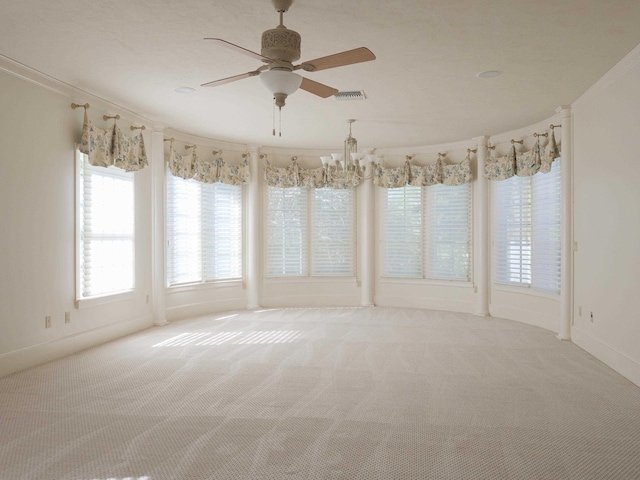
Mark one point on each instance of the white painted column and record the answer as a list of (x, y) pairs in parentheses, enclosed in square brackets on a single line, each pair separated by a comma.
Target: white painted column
[(158, 227), (566, 222), (482, 251), (253, 231), (367, 245)]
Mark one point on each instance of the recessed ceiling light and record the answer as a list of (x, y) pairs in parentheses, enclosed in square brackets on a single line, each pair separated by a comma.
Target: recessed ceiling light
[(185, 90), (490, 73)]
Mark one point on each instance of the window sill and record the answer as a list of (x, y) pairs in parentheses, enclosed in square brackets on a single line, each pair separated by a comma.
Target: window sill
[(317, 279), (190, 287), (427, 282), (103, 300)]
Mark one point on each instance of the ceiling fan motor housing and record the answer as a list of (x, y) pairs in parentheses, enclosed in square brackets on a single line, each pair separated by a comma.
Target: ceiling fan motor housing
[(280, 43)]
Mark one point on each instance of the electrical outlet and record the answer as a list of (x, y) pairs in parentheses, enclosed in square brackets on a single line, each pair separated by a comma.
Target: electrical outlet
[(67, 317), (47, 321), (147, 299)]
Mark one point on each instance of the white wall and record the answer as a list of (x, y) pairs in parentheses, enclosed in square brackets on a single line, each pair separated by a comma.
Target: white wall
[(38, 130), (607, 218)]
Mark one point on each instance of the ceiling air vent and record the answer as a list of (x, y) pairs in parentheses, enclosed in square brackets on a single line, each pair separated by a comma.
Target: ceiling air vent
[(354, 95)]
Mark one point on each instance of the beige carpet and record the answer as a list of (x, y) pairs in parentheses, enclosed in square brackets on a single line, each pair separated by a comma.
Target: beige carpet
[(348, 393)]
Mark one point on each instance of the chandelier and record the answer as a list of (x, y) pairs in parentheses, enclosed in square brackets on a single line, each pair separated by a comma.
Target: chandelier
[(351, 164)]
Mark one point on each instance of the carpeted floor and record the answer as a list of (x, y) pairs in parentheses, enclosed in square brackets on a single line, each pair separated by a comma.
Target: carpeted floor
[(345, 393)]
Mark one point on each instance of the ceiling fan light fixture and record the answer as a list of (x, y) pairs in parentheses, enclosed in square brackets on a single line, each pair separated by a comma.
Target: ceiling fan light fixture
[(280, 81)]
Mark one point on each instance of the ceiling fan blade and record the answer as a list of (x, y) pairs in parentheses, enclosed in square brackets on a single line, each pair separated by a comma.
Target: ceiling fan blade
[(357, 55), (222, 81), (316, 88), (238, 48)]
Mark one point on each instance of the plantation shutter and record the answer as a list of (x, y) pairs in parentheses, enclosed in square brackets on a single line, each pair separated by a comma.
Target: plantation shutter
[(222, 231), (512, 230), (527, 230), (107, 212), (184, 231), (546, 193), (402, 228), (449, 232), (204, 231), (286, 218), (333, 231)]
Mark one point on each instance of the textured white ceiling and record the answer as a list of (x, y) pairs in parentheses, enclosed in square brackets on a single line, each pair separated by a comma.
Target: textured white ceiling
[(422, 88)]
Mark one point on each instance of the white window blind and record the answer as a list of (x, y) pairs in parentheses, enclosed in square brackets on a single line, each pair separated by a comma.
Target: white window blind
[(449, 231), (403, 239), (287, 233), (204, 231), (426, 232), (184, 232), (106, 212), (310, 232), (512, 234), (222, 231), (546, 197), (526, 214), (333, 231)]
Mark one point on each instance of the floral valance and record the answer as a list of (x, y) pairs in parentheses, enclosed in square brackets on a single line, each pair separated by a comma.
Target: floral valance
[(523, 164), (111, 147), (294, 175), (423, 175), (207, 171)]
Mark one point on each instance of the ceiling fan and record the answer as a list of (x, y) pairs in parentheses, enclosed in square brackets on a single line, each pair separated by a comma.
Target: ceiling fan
[(281, 47)]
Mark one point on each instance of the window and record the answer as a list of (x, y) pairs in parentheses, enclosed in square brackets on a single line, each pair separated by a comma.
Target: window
[(449, 231), (527, 230), (106, 241), (204, 231), (403, 239), (426, 232), (286, 231), (310, 232)]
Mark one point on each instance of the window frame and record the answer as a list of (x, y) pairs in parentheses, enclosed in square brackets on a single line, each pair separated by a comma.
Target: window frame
[(425, 276), (307, 235), (203, 282), (81, 301), (531, 287)]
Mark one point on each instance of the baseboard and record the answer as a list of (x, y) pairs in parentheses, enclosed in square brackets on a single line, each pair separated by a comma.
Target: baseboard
[(197, 309), (425, 303), (624, 365), (525, 316), (32, 356), (311, 301)]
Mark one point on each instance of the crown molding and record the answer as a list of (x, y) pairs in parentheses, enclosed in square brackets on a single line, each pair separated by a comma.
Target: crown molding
[(619, 70), (75, 94)]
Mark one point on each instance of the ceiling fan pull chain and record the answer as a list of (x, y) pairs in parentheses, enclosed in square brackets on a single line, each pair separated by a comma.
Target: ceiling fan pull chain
[(273, 108), (280, 121)]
